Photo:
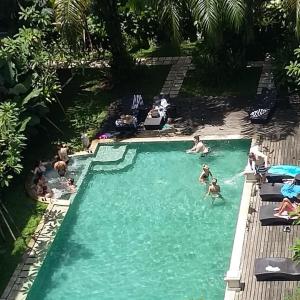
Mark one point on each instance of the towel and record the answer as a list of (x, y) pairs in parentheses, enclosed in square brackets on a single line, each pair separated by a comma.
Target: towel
[(137, 101), (272, 269), (290, 190), (285, 170)]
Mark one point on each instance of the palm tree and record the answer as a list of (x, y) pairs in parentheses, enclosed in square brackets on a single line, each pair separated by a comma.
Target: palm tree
[(71, 16), (210, 15), (293, 7)]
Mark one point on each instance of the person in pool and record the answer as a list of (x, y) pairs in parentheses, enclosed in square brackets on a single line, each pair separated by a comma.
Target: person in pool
[(214, 190), (204, 176), (198, 147)]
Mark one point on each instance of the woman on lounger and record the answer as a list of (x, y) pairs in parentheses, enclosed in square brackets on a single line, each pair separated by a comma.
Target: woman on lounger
[(286, 206)]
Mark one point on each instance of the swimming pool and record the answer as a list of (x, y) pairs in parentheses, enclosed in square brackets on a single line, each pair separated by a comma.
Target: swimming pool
[(140, 228)]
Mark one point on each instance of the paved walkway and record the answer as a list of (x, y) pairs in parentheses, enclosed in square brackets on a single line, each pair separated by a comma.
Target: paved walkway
[(179, 67)]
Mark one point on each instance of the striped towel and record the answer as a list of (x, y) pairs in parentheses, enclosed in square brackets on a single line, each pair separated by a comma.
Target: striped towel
[(137, 101), (262, 112)]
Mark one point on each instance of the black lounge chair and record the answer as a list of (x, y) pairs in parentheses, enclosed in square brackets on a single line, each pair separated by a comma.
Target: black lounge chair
[(278, 178), (266, 216), (271, 192), (276, 269)]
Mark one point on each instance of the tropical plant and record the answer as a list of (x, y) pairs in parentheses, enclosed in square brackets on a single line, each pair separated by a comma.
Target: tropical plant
[(12, 142), (293, 69), (296, 249), (209, 16), (71, 17)]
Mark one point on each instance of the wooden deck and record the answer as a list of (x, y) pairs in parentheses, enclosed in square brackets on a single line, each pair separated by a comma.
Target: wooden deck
[(269, 241)]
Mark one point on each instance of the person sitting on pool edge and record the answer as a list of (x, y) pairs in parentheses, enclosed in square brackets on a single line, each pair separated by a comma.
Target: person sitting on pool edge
[(214, 190), (204, 176), (198, 147)]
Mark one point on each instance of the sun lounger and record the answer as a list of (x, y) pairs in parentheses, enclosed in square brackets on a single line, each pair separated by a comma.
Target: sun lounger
[(266, 216), (278, 173), (271, 192), (276, 268)]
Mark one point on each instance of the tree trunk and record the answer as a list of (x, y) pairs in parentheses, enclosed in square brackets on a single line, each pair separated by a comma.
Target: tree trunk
[(121, 60)]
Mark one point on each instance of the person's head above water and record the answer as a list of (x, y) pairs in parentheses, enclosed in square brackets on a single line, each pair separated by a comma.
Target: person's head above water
[(197, 138), (214, 181), (205, 167)]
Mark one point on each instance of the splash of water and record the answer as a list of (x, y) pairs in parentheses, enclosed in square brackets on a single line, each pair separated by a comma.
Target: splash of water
[(233, 179)]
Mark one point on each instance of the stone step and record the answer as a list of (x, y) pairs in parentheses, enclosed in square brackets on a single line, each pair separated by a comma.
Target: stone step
[(110, 153), (126, 162)]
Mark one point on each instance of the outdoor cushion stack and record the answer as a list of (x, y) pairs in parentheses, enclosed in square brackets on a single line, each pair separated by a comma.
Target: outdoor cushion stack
[(264, 107)]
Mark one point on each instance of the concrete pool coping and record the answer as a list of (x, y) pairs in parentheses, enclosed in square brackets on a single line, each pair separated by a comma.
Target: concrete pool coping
[(26, 272)]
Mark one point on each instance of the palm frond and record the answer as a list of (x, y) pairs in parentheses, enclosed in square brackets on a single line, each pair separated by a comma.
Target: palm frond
[(234, 11), (207, 13), (71, 17), (294, 7), (169, 12)]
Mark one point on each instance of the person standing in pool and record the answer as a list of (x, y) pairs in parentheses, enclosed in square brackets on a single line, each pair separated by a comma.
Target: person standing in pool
[(198, 147), (60, 166), (63, 153), (204, 176), (214, 190)]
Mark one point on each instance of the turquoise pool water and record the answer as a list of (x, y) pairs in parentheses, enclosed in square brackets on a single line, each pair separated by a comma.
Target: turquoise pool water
[(145, 232)]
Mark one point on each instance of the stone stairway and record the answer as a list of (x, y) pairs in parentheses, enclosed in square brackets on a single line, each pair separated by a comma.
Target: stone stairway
[(128, 160), (110, 154)]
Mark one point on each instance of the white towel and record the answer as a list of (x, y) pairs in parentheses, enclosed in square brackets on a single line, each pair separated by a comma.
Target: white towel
[(272, 269)]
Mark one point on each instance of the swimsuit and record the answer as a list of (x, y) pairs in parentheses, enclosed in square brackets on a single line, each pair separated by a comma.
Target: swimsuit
[(261, 169)]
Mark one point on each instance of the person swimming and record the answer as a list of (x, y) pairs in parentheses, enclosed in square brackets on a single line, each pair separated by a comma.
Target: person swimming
[(204, 176), (199, 146)]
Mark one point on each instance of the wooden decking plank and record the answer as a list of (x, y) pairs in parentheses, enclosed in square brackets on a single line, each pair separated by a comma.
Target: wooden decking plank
[(263, 241)]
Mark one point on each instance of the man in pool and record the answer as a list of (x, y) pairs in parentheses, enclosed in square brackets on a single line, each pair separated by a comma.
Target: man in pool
[(198, 147), (214, 190)]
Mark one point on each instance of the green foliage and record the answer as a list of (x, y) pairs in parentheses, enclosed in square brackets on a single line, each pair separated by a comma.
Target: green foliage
[(296, 250), (139, 27), (216, 65), (294, 296), (11, 142), (71, 18), (293, 69), (37, 17)]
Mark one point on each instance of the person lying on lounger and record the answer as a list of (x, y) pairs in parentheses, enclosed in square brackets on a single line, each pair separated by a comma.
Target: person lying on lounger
[(198, 147), (286, 207)]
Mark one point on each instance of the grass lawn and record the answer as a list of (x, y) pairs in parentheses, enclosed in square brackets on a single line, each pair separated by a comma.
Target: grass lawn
[(185, 49), (244, 84), (85, 105)]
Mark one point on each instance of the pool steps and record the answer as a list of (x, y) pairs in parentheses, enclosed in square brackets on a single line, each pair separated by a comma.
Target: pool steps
[(128, 159), (110, 154)]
